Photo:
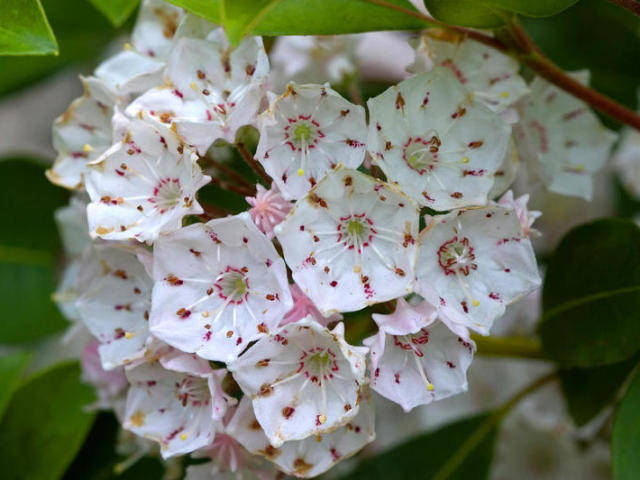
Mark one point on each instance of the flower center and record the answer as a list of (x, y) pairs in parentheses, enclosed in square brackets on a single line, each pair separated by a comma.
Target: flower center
[(456, 256), (355, 231), (302, 132), (166, 194), (232, 285), (192, 391), (318, 364), (421, 155)]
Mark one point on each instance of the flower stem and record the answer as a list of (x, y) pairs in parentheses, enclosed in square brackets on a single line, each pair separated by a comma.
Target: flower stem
[(248, 157), (508, 347), (228, 171), (232, 187), (632, 5)]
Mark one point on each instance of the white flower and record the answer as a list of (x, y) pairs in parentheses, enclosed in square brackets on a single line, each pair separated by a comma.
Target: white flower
[(314, 455), (143, 185), (109, 384), (71, 221), (506, 174), (491, 75), (431, 138), (303, 380), (210, 90), (156, 27), (562, 138), (627, 160), (179, 410), (115, 303), (81, 134), (525, 216), (218, 286), (416, 359), (268, 209), (351, 242), (472, 263), (305, 133)]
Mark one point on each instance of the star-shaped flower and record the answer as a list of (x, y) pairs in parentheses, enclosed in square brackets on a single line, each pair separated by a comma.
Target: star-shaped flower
[(439, 145), (314, 455), (472, 263), (218, 286), (179, 410), (143, 185), (211, 90), (562, 138), (415, 358), (305, 133), (351, 242), (303, 380), (491, 75)]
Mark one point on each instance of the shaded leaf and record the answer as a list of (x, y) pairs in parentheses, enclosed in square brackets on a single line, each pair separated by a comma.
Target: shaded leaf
[(24, 29), (11, 367), (591, 295), (462, 449), (28, 249), (588, 390), (45, 424), (625, 443), (117, 11)]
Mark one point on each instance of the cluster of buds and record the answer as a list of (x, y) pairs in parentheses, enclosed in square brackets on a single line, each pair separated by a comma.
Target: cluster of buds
[(222, 336)]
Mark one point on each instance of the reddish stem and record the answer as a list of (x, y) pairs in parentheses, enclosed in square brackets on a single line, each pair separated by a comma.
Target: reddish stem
[(248, 157), (632, 5)]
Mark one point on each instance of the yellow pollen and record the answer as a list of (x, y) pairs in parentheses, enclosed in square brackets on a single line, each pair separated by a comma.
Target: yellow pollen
[(322, 418), (465, 159), (127, 46), (357, 269), (300, 172), (87, 148), (205, 314), (183, 436), (128, 335), (430, 387), (318, 438), (193, 86), (579, 167), (504, 94), (475, 303)]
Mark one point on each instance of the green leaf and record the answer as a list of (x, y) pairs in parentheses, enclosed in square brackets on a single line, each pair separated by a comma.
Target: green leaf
[(462, 449), (588, 390), (117, 11), (45, 424), (24, 29), (492, 13), (302, 17), (11, 367), (591, 295), (28, 248), (625, 443), (82, 33)]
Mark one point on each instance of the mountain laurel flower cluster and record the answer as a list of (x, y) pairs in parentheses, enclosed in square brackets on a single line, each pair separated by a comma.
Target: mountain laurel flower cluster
[(218, 323)]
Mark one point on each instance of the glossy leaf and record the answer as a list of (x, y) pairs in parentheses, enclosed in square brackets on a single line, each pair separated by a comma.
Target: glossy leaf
[(117, 11), (11, 366), (24, 29), (82, 34), (625, 443), (28, 249), (588, 390), (462, 449), (302, 17), (45, 424), (591, 295)]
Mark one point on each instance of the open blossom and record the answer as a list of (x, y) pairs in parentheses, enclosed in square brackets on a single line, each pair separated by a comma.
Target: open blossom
[(81, 134), (415, 358), (115, 302), (472, 263), (305, 133), (303, 380), (211, 90), (218, 286), (143, 185), (268, 209), (181, 410), (491, 75), (351, 242), (315, 454), (441, 147), (525, 216), (303, 306), (562, 138)]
